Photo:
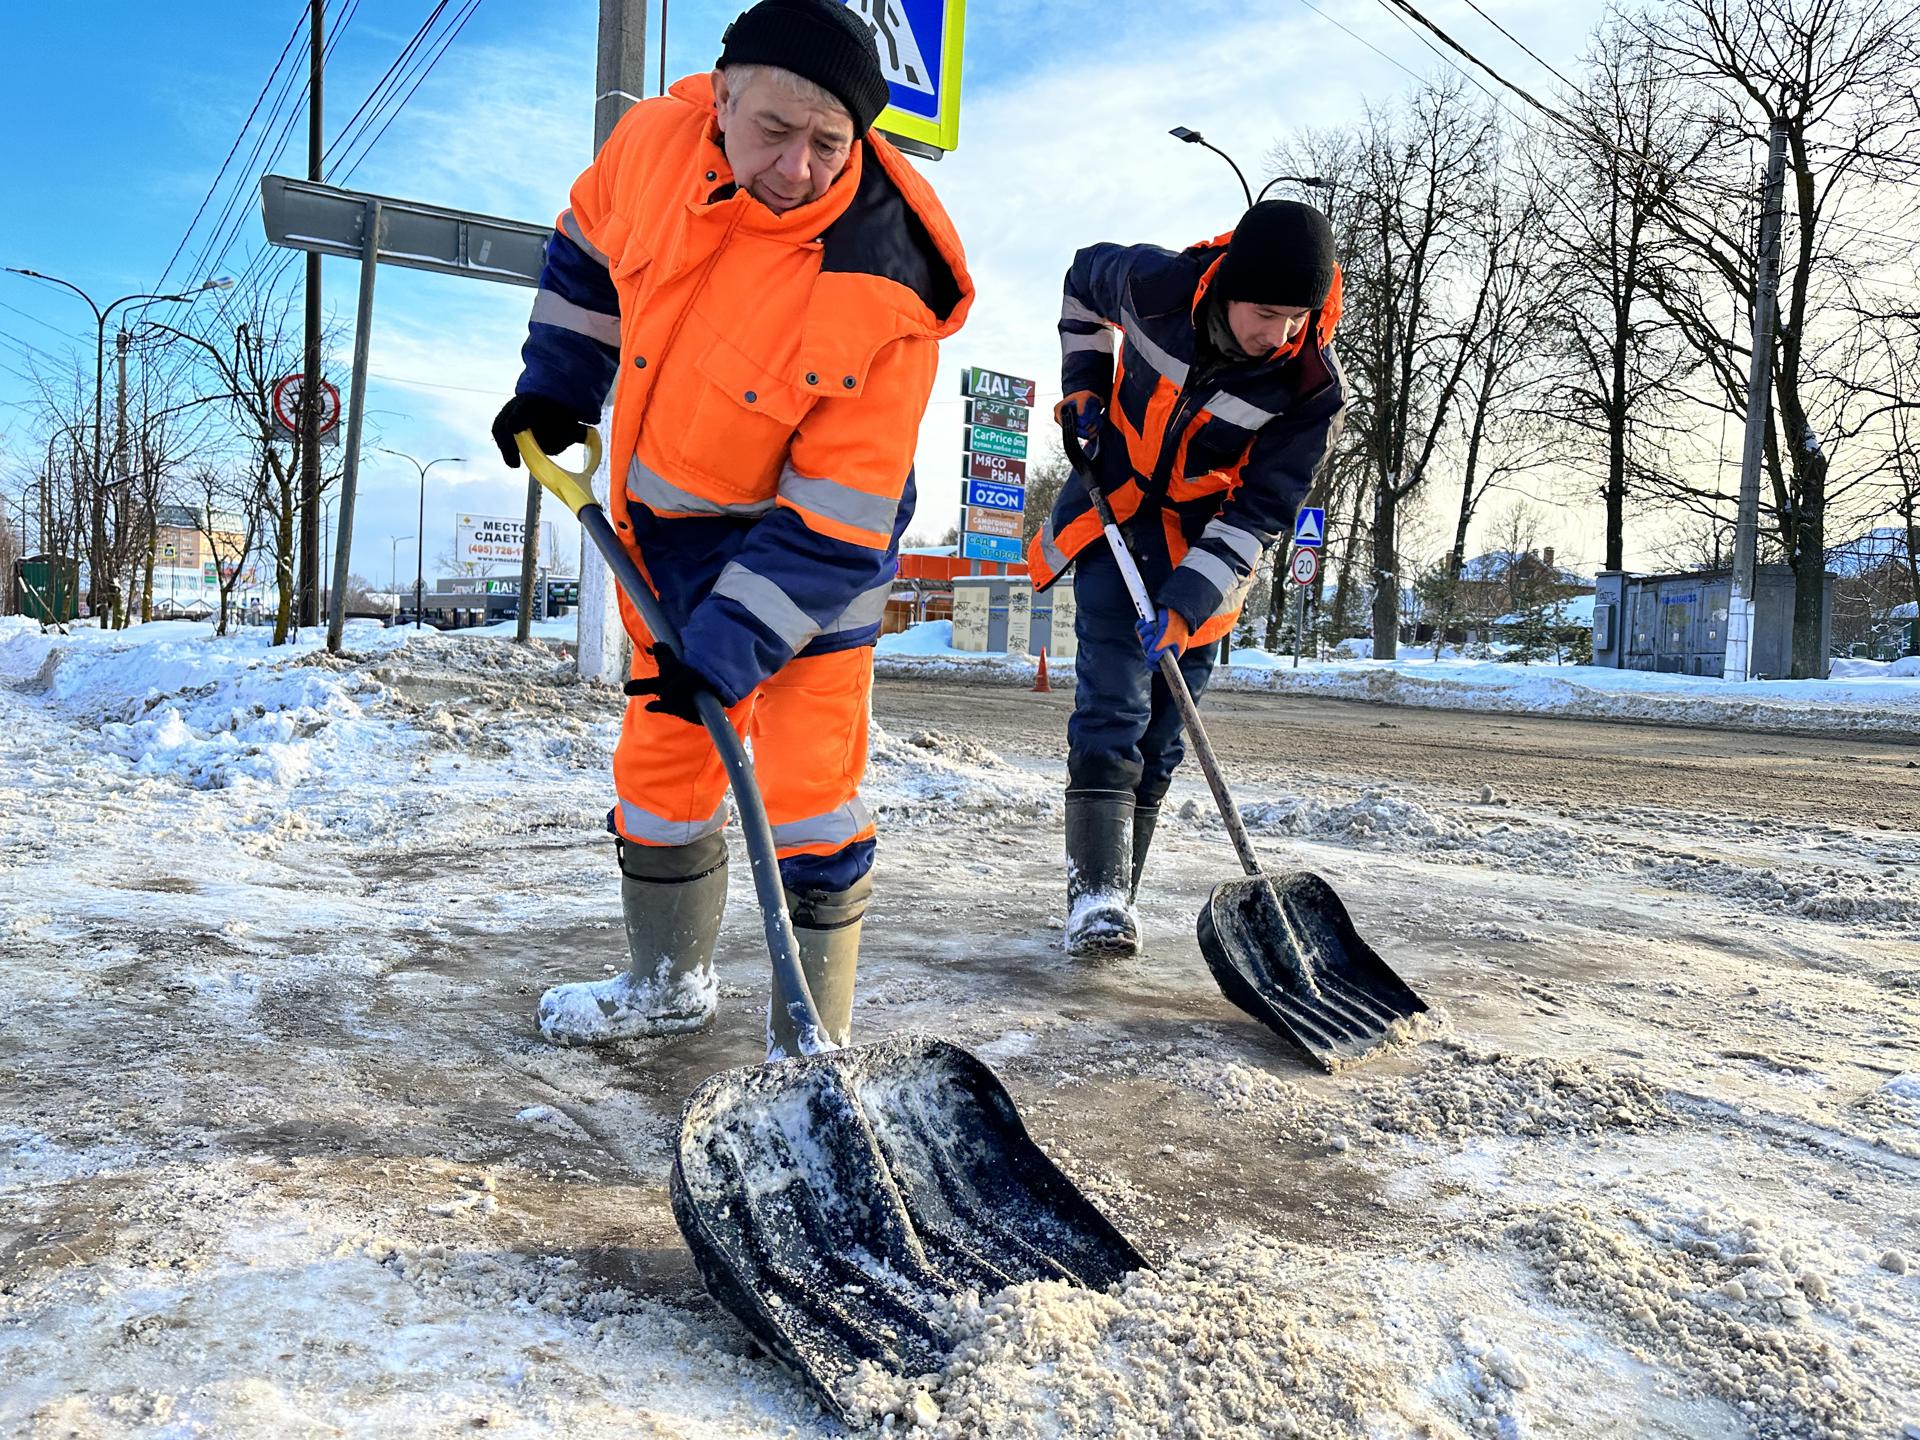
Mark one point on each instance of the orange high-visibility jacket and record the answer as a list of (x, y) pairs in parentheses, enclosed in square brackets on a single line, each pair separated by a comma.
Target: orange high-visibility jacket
[(773, 371)]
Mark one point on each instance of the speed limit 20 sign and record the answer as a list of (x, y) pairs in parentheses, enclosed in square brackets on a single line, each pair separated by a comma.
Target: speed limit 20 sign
[(1305, 566)]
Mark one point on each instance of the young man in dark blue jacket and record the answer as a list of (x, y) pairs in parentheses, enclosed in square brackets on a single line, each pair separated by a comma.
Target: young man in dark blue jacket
[(1206, 425)]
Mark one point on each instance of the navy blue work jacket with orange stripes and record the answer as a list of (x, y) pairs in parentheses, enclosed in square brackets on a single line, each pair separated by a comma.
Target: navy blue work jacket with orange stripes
[(1204, 460)]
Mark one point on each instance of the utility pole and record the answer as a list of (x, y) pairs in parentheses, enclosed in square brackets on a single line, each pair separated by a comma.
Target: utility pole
[(309, 583), (619, 80), (120, 341), (1746, 535)]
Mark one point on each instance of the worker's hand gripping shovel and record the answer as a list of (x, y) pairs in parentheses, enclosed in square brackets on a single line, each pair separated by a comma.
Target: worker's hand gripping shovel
[(1282, 947), (835, 1203)]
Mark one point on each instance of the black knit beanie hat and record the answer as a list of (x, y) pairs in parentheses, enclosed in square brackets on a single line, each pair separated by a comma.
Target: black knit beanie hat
[(1281, 254), (822, 40)]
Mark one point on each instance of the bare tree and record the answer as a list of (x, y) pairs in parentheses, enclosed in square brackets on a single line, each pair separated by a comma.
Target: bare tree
[(1413, 311), (1615, 170), (1839, 77)]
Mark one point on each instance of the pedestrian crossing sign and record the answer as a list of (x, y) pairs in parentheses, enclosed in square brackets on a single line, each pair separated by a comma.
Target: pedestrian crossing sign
[(1310, 528), (919, 43)]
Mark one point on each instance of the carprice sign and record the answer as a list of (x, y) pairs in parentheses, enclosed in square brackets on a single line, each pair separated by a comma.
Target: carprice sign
[(978, 384), (985, 440)]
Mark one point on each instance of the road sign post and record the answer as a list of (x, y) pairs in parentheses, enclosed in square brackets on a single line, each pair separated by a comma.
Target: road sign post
[(1305, 569)]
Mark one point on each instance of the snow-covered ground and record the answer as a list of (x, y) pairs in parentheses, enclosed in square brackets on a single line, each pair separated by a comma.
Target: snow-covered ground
[(283, 1157), (1866, 696)]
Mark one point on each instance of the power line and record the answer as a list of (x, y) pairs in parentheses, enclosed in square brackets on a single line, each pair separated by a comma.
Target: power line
[(1351, 35), (1523, 45), (232, 150)]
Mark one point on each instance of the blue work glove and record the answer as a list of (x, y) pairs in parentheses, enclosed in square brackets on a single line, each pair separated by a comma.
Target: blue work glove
[(1165, 634), (676, 689), (1087, 412)]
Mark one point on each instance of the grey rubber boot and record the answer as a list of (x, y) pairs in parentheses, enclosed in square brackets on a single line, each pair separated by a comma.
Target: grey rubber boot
[(826, 923), (672, 897), (1100, 918)]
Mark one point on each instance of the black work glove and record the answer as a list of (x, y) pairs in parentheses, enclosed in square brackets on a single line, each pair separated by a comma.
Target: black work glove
[(676, 689), (554, 426)]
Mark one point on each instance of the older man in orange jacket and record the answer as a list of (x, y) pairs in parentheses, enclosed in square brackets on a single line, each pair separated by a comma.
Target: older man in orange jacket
[(769, 282)]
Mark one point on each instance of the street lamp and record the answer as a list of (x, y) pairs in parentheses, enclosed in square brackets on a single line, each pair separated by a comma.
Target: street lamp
[(420, 540), (393, 574), (1194, 137), (99, 386)]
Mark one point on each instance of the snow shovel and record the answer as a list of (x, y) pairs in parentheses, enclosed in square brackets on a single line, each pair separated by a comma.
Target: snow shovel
[(833, 1202), (1281, 947)]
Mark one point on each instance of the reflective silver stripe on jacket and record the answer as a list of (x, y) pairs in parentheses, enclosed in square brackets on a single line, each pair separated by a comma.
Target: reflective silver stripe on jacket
[(644, 826), (1234, 410), (768, 604), (1072, 344), (1211, 568), (570, 227), (867, 608), (1056, 561), (1233, 599), (1170, 368), (661, 495), (1072, 309), (839, 502), (1244, 543), (552, 309), (837, 827)]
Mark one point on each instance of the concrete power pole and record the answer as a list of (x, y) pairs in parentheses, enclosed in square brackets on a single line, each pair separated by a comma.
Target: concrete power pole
[(1746, 534), (620, 81), (308, 612)]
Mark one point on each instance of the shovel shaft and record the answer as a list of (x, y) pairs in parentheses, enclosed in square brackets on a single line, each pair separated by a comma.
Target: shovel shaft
[(789, 980), (1169, 664)]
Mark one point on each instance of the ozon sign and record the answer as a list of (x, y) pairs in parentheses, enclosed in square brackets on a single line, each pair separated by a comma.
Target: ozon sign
[(287, 393)]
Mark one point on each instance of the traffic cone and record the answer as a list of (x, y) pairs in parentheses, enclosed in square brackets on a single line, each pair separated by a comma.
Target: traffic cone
[(1040, 685)]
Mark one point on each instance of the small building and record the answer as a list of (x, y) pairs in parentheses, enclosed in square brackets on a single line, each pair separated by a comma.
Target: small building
[(1678, 623)]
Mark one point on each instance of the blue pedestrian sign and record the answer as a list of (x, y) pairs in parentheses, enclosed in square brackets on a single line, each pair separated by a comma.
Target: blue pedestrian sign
[(996, 548), (987, 495), (1310, 529), (919, 45)]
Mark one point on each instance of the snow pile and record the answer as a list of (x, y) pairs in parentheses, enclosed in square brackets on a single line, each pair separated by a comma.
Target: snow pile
[(1717, 1299), (929, 775), (1466, 1093), (1215, 1344)]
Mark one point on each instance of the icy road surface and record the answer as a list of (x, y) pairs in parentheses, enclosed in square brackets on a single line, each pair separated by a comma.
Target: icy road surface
[(284, 1158)]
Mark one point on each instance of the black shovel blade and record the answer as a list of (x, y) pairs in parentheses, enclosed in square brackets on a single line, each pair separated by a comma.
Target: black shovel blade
[(833, 1203), (1284, 949)]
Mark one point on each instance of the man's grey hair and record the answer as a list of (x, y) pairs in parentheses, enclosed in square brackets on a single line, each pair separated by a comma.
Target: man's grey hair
[(739, 77)]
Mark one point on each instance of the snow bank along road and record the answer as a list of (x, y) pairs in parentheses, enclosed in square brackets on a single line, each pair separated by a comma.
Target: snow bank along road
[(282, 1156)]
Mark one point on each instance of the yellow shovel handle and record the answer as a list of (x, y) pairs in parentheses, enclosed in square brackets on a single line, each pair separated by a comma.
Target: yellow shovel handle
[(570, 487)]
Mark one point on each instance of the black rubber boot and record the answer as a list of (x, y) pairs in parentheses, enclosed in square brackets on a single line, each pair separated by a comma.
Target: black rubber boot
[(826, 924), (1146, 815), (1100, 919)]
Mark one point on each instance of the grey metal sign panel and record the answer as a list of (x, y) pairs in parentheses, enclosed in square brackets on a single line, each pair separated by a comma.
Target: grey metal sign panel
[(303, 215)]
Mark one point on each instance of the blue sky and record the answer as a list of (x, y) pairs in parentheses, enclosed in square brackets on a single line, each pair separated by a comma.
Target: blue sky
[(119, 114)]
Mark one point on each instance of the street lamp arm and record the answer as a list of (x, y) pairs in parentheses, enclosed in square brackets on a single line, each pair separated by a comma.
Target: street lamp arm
[(1312, 182), (98, 314)]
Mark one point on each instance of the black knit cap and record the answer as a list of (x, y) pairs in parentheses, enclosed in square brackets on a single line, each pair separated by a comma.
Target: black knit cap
[(822, 40), (1281, 254)]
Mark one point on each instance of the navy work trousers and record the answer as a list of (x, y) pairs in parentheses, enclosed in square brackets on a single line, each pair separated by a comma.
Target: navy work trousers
[(1126, 732)]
